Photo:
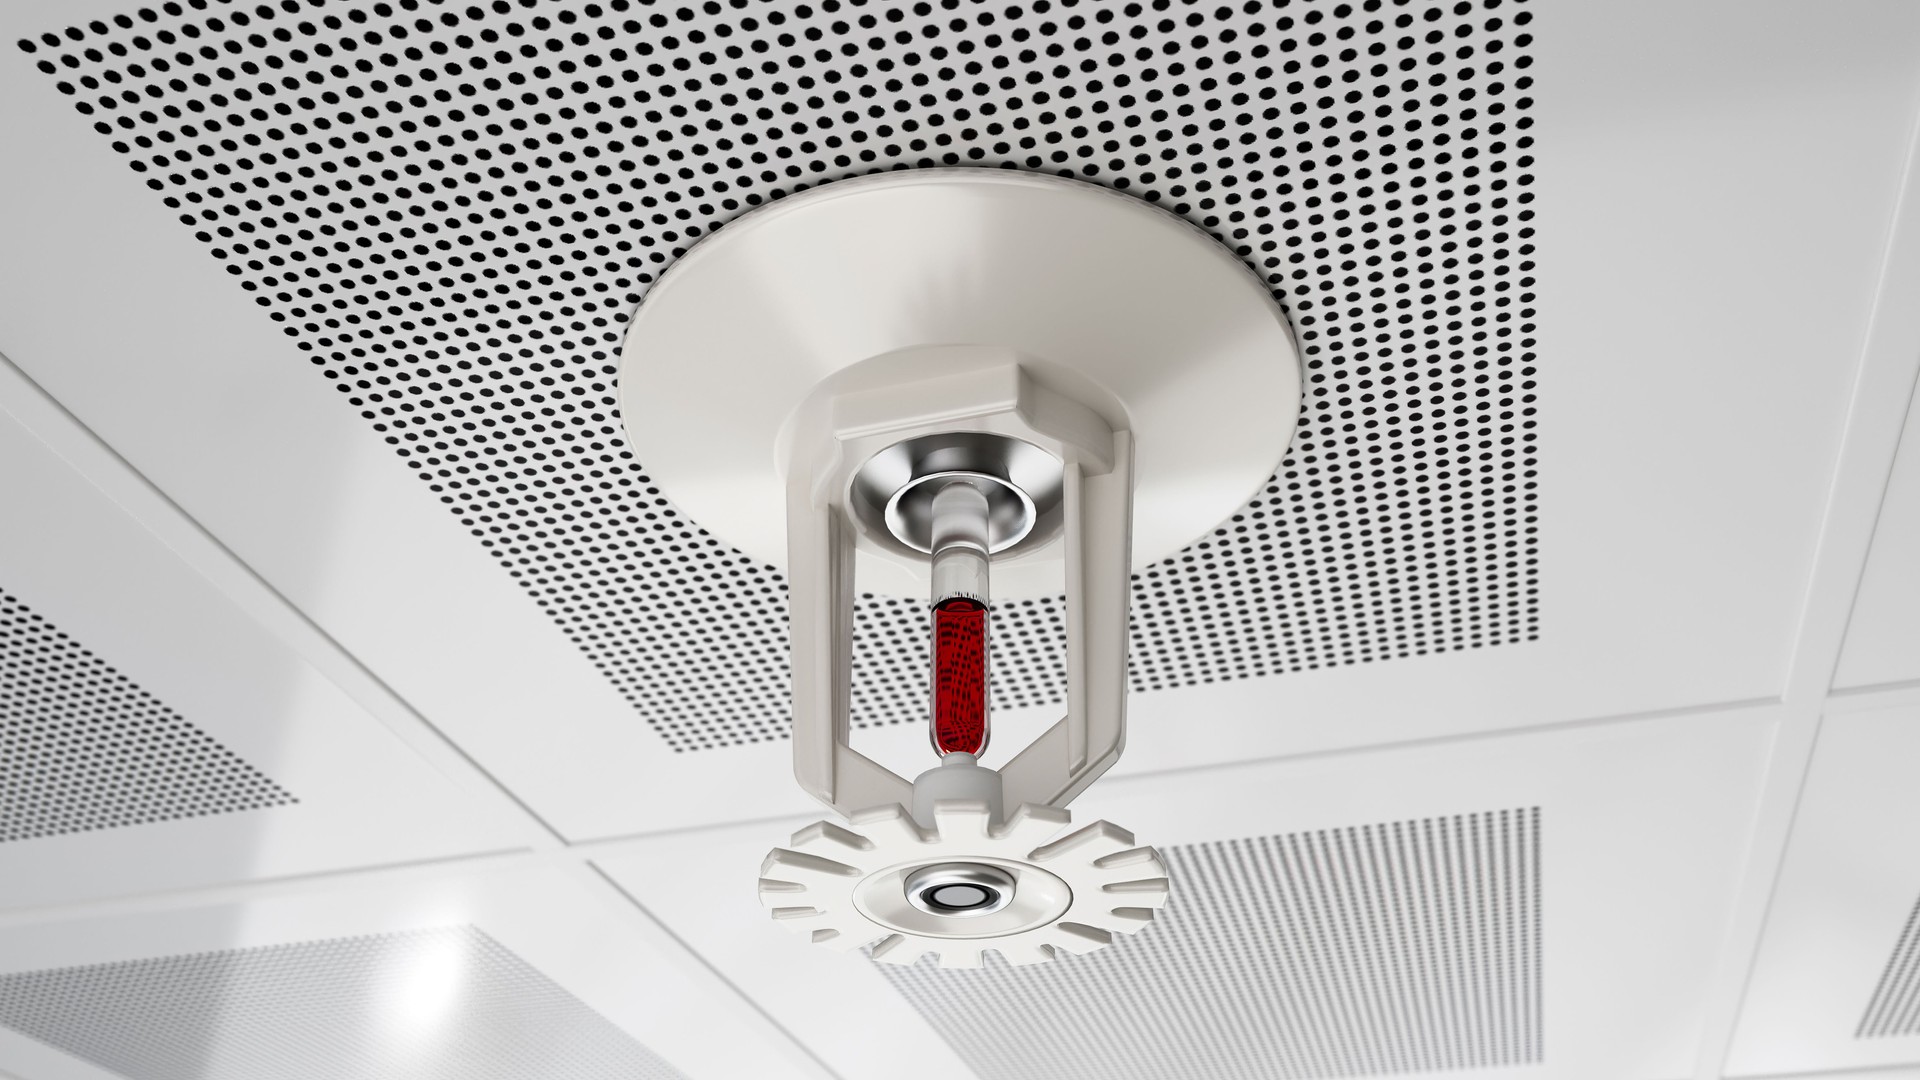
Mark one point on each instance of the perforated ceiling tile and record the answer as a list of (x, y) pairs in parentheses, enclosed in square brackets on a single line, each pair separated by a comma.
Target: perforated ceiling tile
[(82, 747), (1407, 947), (420, 1005), (1895, 1006), (452, 210)]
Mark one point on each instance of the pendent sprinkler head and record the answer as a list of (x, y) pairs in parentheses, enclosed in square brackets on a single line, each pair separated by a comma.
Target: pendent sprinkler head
[(982, 383)]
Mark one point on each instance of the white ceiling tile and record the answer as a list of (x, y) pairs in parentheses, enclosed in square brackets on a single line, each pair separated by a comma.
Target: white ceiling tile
[(359, 978), (1642, 829), (1845, 894), (303, 779)]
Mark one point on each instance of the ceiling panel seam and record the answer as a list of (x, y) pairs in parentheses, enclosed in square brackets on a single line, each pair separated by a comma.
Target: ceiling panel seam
[(1887, 368), (673, 944), (117, 479), (601, 848)]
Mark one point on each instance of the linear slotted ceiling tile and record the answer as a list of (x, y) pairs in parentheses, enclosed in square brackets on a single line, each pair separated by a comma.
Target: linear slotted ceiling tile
[(82, 747), (1407, 947), (452, 210), (1894, 1008), (419, 1004)]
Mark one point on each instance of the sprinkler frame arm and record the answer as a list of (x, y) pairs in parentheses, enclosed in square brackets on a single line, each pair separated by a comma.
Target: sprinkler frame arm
[(1097, 525)]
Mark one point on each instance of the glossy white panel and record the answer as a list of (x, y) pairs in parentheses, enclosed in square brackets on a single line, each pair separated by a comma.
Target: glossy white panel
[(105, 581), (1849, 882), (1643, 826)]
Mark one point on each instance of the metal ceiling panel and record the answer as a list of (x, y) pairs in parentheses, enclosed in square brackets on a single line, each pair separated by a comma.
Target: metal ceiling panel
[(337, 1007), (1640, 834), (1383, 949), (1830, 985), (158, 736), (531, 971), (445, 616)]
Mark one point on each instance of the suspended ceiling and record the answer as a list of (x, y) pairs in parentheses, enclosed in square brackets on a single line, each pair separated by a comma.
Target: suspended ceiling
[(362, 693)]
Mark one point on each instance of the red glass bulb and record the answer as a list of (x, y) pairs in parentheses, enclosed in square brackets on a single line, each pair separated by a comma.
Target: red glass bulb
[(960, 676)]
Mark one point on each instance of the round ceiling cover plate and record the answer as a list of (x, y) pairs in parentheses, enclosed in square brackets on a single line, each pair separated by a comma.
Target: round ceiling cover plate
[(1174, 327)]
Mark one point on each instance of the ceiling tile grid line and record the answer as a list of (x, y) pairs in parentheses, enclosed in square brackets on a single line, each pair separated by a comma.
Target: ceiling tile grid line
[(87, 454), (452, 210), (600, 849), (693, 964), (1882, 646), (1887, 371), (1834, 979), (1392, 960), (78, 448)]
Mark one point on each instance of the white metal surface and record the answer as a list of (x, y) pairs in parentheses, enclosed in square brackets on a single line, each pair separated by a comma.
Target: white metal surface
[(1097, 295), (552, 919), (1641, 826), (1842, 902), (103, 580)]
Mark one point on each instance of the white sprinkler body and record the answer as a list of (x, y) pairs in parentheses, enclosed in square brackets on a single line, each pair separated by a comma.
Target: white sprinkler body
[(960, 384)]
